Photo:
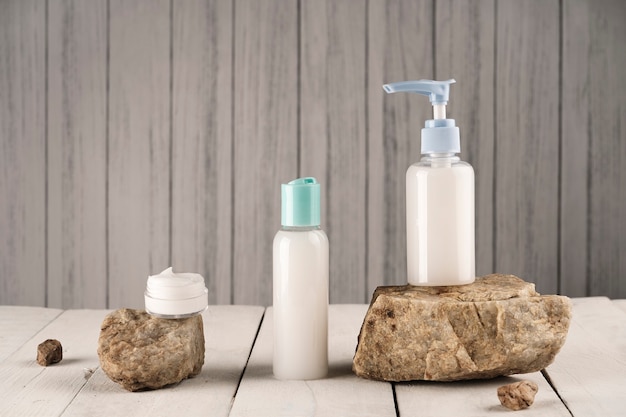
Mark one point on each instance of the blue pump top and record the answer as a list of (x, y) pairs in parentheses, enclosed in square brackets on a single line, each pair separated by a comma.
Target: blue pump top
[(440, 135), (437, 91)]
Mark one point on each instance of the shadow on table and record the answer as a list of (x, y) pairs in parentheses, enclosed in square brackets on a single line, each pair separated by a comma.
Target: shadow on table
[(335, 370)]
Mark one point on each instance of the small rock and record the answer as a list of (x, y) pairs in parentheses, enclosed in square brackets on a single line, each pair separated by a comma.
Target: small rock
[(88, 372), (139, 351), (49, 352), (496, 326), (518, 395)]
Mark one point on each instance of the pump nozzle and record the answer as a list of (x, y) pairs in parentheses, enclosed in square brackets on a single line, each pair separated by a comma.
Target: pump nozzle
[(438, 92), (440, 134)]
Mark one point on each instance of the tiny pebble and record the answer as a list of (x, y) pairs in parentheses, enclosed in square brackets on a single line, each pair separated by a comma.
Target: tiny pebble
[(88, 372), (518, 395), (49, 352)]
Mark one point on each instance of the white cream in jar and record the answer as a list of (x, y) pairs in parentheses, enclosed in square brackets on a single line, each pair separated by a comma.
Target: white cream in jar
[(175, 295)]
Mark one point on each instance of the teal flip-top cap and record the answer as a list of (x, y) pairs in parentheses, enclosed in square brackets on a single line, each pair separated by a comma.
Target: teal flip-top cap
[(300, 200)]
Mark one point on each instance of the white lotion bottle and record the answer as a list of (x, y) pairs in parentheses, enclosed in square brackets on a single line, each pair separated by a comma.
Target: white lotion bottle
[(439, 198), (300, 285)]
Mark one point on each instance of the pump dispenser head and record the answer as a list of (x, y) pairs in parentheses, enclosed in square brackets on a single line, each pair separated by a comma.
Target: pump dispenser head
[(440, 134)]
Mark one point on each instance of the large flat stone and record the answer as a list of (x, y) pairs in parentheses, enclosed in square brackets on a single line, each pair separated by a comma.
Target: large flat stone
[(499, 325), (139, 351)]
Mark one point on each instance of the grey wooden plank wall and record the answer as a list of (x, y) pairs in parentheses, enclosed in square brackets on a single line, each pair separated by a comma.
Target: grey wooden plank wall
[(140, 134)]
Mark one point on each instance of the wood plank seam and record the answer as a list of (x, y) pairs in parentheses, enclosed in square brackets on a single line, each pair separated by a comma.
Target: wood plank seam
[(171, 136), (556, 391), (46, 135), (107, 122), (494, 183), (34, 334), (233, 102), (79, 391), (559, 200), (366, 150), (41, 329), (395, 398), (243, 371)]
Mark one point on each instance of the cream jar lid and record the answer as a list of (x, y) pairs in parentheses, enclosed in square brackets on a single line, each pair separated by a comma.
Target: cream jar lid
[(175, 295)]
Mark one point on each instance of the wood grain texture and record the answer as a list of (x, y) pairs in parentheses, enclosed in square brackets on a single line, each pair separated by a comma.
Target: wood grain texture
[(340, 394), (229, 333), (575, 114), (333, 137), (20, 324), (527, 141), (135, 134), (265, 135), (202, 143), (606, 129), (465, 51), (22, 152), (77, 100), (473, 398), (139, 147), (400, 48), (36, 390), (590, 371)]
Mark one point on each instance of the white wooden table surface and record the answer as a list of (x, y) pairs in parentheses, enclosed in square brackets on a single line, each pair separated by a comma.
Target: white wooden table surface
[(588, 377)]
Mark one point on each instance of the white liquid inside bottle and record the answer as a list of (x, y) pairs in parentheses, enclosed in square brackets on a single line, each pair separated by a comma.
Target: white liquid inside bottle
[(300, 303), (440, 221)]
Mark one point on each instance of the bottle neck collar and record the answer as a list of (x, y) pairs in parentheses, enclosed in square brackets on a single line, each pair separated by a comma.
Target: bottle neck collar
[(440, 155), (300, 228)]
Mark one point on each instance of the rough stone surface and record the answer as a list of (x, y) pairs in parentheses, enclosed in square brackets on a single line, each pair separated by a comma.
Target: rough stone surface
[(49, 352), (139, 351), (496, 326), (518, 395)]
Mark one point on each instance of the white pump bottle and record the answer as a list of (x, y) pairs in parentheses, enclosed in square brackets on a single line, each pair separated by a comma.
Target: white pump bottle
[(439, 198)]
